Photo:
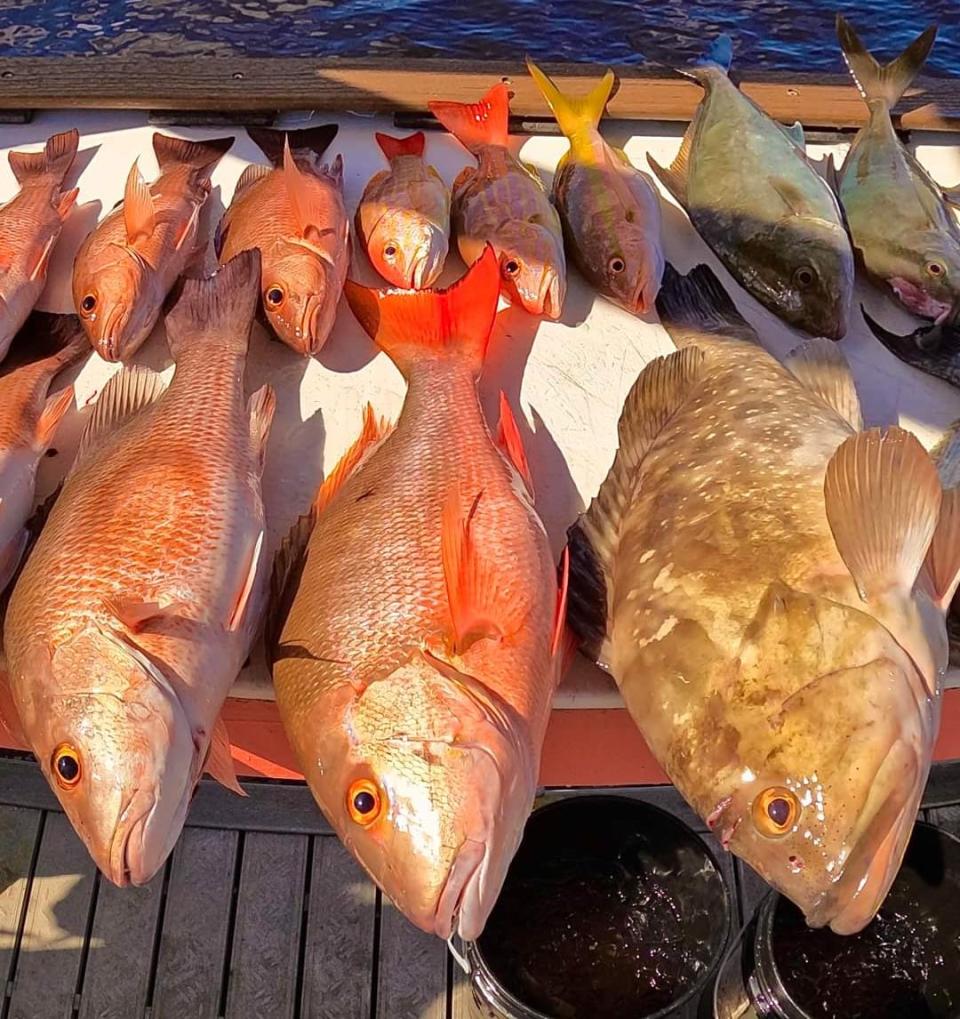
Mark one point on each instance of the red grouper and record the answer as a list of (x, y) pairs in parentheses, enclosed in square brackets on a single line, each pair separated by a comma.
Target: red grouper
[(417, 637)]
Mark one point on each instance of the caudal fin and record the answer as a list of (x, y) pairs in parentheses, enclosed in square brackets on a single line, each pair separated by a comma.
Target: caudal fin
[(883, 82), (574, 113), (200, 157), (392, 147), (414, 325), (219, 308), (477, 124), (52, 163), (310, 143), (692, 305)]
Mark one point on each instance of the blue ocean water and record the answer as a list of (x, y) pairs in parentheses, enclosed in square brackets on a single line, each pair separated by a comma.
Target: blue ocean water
[(775, 34)]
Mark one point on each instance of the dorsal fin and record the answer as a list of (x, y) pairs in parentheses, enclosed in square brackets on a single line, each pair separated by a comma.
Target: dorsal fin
[(820, 366), (253, 173), (674, 179), (127, 393)]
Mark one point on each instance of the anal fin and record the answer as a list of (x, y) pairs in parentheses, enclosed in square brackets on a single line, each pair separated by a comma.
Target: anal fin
[(51, 416), (674, 179), (509, 441), (262, 405), (820, 366), (219, 763)]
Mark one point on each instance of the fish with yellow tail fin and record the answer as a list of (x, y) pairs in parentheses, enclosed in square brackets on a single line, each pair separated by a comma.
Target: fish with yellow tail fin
[(403, 218), (30, 225), (610, 210), (416, 632), (128, 265), (754, 197), (293, 213), (140, 600), (773, 612), (502, 202)]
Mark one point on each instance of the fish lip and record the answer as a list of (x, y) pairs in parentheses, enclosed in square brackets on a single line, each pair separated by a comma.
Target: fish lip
[(456, 909), (918, 301), (550, 300), (122, 870), (110, 341)]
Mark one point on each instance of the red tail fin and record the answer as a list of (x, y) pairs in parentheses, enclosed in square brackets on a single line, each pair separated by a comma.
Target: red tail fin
[(411, 325), (201, 157), (54, 161), (477, 124), (393, 147)]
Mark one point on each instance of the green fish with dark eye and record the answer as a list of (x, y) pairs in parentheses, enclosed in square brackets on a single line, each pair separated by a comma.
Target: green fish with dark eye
[(899, 218), (754, 197)]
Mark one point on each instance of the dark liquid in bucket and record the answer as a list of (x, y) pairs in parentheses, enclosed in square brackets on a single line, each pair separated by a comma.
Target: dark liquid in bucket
[(607, 923), (904, 965)]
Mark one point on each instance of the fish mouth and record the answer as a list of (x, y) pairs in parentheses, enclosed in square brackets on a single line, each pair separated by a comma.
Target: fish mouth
[(550, 298), (459, 906), (879, 845), (110, 342), (125, 865), (914, 298), (311, 331)]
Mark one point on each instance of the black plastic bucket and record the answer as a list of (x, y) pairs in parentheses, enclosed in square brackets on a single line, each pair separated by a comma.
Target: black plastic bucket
[(612, 909), (904, 965)]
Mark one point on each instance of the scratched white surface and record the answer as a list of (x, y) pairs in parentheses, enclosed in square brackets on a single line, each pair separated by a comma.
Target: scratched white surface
[(567, 379)]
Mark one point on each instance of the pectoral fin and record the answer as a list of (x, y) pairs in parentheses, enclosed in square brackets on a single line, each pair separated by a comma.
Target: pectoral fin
[(51, 416), (219, 763), (139, 215), (509, 441), (820, 366), (238, 615), (137, 615), (943, 557)]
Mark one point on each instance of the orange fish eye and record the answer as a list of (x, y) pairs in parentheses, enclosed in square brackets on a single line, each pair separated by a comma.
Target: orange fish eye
[(364, 802), (274, 296), (511, 267), (934, 268), (89, 304), (617, 264), (775, 811), (66, 766)]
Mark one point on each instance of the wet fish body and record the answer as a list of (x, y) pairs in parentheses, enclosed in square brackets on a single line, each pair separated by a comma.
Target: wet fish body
[(293, 213), (753, 196), (610, 210), (29, 420), (403, 219), (30, 224), (128, 265), (899, 218), (502, 201), (139, 602), (416, 647), (767, 584)]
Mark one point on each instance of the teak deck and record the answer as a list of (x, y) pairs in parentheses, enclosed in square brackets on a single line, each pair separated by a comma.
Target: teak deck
[(259, 914), (249, 85)]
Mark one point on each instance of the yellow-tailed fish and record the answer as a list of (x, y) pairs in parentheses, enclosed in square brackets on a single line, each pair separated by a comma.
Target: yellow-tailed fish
[(418, 637), (403, 219), (125, 268), (502, 201), (293, 213), (138, 604), (767, 584), (610, 210), (30, 224)]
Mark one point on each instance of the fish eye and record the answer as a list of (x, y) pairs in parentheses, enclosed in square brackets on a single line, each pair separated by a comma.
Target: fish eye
[(364, 802), (274, 296), (775, 811), (89, 303), (66, 766), (617, 264), (804, 277), (511, 267), (935, 269), (390, 251)]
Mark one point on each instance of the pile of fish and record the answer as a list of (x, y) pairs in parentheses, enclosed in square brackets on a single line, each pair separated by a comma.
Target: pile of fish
[(766, 581)]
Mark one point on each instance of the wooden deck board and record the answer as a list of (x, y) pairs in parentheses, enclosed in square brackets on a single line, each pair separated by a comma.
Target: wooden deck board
[(196, 923), (54, 934), (339, 937), (19, 831), (266, 939), (413, 970), (120, 954)]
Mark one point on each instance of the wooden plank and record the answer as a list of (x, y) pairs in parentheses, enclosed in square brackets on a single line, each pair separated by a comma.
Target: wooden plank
[(412, 979), (266, 939), (462, 1004), (19, 831), (386, 86), (120, 957), (196, 923), (338, 956), (55, 930)]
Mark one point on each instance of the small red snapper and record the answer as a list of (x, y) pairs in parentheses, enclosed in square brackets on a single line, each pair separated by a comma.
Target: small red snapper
[(403, 219), (130, 262), (293, 213), (418, 632), (29, 419), (139, 602), (767, 584), (610, 210), (30, 225), (502, 202)]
